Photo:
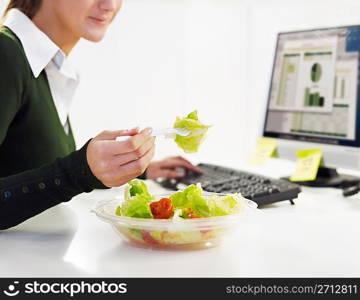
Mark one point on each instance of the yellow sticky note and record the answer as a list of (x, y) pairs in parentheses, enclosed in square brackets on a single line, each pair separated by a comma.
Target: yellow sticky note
[(308, 164), (265, 148)]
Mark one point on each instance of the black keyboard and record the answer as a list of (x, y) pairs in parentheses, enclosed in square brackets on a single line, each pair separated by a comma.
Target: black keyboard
[(218, 179)]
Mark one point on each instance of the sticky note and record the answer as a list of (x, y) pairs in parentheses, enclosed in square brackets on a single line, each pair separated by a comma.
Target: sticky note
[(307, 166), (265, 148)]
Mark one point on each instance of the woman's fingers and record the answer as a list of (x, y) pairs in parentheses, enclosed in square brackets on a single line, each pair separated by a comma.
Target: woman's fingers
[(122, 159), (132, 169), (169, 168), (134, 142), (129, 145), (115, 163), (189, 165), (138, 167), (112, 183), (129, 132), (168, 173), (176, 162)]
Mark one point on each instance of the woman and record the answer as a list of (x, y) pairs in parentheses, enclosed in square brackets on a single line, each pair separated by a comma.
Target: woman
[(39, 167)]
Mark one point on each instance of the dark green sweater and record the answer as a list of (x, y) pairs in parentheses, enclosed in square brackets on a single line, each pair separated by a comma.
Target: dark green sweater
[(45, 169), (31, 133)]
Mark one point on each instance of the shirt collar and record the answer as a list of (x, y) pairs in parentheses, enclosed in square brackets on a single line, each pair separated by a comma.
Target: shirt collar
[(39, 49)]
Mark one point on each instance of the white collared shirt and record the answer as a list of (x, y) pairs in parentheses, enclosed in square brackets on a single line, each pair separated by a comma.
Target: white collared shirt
[(42, 53)]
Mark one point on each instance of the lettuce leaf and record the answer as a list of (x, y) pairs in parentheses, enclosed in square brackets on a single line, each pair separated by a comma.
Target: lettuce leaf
[(183, 199), (137, 187), (191, 142), (226, 205), (137, 200), (191, 202)]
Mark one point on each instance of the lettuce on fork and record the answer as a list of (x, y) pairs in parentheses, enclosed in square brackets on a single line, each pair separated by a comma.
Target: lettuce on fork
[(137, 200), (191, 142)]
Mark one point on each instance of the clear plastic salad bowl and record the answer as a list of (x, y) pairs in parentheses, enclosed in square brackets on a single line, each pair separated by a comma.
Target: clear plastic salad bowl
[(177, 233)]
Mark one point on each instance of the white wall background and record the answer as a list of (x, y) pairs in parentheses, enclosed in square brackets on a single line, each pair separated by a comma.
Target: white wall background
[(163, 58)]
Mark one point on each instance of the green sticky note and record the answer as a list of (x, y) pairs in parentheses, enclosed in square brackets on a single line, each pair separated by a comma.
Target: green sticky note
[(308, 164), (265, 148)]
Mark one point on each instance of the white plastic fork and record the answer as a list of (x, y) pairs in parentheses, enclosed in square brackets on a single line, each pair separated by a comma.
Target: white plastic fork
[(166, 132), (170, 132)]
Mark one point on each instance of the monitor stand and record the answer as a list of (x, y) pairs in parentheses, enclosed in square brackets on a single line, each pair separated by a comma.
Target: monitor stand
[(329, 177)]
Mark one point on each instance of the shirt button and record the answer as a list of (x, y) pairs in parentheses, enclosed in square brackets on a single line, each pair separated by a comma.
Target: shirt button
[(7, 194), (25, 189), (42, 185), (57, 181)]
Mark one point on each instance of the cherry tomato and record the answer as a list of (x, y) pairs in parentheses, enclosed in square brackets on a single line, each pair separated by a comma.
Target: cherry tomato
[(148, 238), (162, 209)]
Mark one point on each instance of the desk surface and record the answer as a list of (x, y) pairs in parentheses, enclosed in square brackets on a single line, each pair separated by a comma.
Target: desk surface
[(316, 237)]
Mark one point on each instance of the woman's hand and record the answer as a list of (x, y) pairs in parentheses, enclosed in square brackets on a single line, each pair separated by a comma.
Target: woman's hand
[(172, 167), (115, 163)]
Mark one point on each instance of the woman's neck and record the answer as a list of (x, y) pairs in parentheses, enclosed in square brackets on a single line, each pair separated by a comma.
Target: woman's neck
[(53, 28)]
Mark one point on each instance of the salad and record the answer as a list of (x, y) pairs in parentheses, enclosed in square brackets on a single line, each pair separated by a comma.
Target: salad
[(186, 204), (191, 142), (183, 216)]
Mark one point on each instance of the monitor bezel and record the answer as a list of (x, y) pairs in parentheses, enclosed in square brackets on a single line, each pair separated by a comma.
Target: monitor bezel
[(306, 138)]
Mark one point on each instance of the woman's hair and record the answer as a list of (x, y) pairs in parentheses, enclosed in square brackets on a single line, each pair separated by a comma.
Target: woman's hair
[(28, 7)]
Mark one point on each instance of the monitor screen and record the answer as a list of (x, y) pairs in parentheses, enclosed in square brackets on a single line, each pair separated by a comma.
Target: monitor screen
[(314, 92)]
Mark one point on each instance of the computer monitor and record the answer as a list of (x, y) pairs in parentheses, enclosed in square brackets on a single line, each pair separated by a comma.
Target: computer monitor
[(314, 98)]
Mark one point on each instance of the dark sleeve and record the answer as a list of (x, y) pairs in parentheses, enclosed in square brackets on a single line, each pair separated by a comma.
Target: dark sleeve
[(142, 176), (13, 78), (29, 193)]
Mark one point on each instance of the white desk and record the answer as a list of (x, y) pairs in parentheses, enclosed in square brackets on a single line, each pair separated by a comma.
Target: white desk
[(317, 237)]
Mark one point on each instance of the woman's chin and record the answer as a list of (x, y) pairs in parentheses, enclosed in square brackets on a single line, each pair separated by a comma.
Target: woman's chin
[(94, 37)]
